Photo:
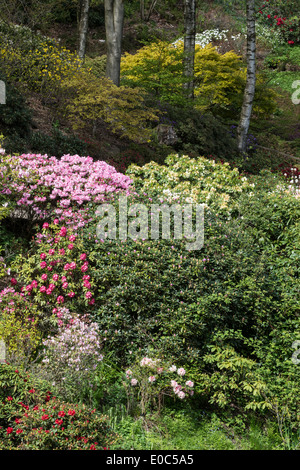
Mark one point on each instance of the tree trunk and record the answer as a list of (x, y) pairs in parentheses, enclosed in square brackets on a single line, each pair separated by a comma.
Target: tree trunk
[(114, 17), (189, 46), (142, 9), (83, 26), (249, 92)]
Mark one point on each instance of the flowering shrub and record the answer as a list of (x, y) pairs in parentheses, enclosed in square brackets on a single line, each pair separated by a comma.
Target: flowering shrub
[(192, 180), (18, 391), (150, 379), (57, 425), (35, 60), (31, 418), (91, 100), (72, 354), (43, 185), (158, 293), (209, 35), (283, 17), (57, 273)]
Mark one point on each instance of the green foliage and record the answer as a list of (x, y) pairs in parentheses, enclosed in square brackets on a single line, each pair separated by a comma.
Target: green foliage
[(158, 293), (219, 78), (66, 277), (200, 134), (96, 65), (198, 180), (42, 422), (149, 380), (58, 144), (35, 62), (91, 99), (18, 326), (16, 116)]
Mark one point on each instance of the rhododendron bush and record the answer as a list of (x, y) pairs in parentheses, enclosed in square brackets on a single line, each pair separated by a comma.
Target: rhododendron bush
[(42, 186), (56, 272), (31, 418), (150, 379), (283, 16), (72, 354)]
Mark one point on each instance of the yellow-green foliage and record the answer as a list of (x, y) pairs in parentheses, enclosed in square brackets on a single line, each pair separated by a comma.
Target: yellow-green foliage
[(18, 324), (122, 108), (96, 65), (37, 62), (219, 78)]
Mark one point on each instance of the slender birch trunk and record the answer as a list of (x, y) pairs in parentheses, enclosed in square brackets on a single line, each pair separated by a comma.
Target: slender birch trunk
[(114, 18), (83, 27), (189, 46), (249, 92)]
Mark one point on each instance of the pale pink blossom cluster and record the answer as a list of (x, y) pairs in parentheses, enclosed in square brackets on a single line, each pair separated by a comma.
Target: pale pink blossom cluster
[(181, 391), (76, 346), (147, 361), (67, 183)]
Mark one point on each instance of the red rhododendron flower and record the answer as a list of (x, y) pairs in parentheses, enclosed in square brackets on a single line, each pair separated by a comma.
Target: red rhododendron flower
[(9, 430)]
